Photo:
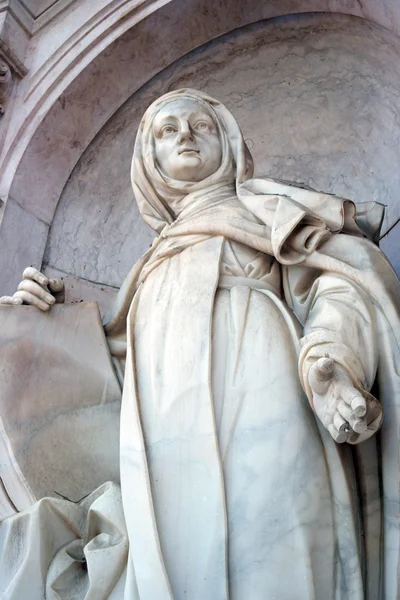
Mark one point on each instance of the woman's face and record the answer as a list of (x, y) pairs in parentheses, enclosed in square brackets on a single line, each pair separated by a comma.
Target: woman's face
[(187, 142)]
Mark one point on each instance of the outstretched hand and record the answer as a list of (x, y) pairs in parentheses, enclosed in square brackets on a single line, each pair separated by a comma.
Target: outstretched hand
[(35, 289), (349, 415)]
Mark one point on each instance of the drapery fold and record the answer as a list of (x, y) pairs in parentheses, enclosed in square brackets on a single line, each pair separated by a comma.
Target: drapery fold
[(355, 258), (60, 550), (255, 216), (172, 471), (168, 429), (309, 233)]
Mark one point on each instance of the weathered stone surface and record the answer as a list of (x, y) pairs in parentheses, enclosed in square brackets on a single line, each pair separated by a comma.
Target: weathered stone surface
[(22, 250), (59, 404)]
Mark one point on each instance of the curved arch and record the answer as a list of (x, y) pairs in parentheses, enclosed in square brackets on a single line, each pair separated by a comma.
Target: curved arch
[(85, 87)]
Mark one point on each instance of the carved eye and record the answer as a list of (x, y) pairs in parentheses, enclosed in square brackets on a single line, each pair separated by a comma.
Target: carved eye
[(168, 130), (202, 126)]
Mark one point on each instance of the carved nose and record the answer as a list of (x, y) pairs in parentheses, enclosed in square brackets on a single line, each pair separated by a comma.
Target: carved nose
[(186, 135)]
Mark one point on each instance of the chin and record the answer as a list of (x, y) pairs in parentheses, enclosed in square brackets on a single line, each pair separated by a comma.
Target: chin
[(188, 171), (187, 175)]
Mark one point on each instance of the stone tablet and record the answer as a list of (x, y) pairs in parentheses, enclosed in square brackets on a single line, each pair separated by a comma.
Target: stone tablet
[(59, 405)]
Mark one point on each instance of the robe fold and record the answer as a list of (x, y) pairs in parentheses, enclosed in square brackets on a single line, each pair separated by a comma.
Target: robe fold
[(231, 488), (228, 480), (170, 395)]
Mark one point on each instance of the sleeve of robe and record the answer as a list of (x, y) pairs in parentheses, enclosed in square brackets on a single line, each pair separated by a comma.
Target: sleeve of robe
[(338, 319)]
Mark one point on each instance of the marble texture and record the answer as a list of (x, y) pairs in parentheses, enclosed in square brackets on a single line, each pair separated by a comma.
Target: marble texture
[(318, 103), (78, 290), (59, 404), (87, 52), (83, 553), (203, 306), (7, 92), (23, 249), (14, 34), (248, 295), (81, 35)]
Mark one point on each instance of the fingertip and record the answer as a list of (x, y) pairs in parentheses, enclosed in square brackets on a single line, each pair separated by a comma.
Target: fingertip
[(319, 378), (28, 272), (339, 437), (326, 365), (359, 406), (340, 423), (56, 285), (359, 425)]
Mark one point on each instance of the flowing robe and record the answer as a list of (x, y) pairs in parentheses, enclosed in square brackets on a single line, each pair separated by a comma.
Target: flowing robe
[(239, 484), (230, 487), (177, 489)]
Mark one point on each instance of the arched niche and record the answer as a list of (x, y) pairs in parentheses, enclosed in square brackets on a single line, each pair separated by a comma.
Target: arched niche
[(96, 93)]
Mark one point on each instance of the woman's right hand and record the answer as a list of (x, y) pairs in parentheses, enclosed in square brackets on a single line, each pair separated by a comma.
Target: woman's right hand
[(34, 290)]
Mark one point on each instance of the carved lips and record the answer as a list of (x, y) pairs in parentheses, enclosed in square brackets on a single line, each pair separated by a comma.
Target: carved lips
[(186, 149)]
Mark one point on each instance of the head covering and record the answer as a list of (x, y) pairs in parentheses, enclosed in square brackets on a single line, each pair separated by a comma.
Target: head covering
[(272, 217), (159, 196)]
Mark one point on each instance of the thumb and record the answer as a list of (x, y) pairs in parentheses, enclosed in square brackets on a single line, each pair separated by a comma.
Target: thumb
[(320, 375)]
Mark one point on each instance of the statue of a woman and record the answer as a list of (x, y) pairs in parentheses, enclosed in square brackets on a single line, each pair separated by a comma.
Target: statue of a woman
[(259, 305)]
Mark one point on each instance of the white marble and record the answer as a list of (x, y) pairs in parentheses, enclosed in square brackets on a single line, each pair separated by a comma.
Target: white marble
[(83, 552), (253, 430), (81, 290), (63, 52), (94, 56), (367, 161), (259, 305), (15, 22), (59, 404), (81, 34), (23, 249), (208, 310)]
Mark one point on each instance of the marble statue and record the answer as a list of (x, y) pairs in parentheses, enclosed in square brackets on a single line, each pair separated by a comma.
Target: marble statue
[(256, 343)]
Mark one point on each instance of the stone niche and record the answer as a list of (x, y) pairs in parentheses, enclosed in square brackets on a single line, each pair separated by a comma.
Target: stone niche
[(318, 100)]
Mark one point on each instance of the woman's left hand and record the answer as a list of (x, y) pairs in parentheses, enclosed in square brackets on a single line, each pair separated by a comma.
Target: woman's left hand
[(349, 415)]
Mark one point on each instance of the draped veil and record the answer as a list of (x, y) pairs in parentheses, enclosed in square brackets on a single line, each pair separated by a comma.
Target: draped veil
[(277, 218)]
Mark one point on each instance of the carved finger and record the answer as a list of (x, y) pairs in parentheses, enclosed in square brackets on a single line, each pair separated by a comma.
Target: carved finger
[(326, 419), (56, 285), (358, 425), (353, 398), (339, 436), (29, 298), (345, 410), (35, 275), (341, 424), (324, 368), (374, 421), (34, 288), (359, 406), (320, 375), (10, 300)]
